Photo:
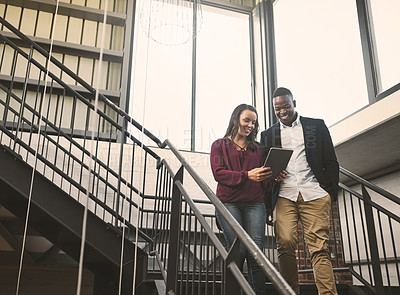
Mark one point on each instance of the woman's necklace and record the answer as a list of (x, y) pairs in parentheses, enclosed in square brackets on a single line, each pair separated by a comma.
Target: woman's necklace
[(239, 147)]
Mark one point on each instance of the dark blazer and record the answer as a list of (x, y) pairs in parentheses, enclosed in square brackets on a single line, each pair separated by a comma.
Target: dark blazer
[(320, 154)]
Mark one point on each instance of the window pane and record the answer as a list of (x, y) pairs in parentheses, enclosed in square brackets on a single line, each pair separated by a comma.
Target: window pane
[(319, 57), (260, 68), (161, 87), (385, 15), (223, 72)]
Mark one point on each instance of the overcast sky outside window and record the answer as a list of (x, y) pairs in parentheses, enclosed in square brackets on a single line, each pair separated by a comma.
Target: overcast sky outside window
[(161, 87), (223, 72), (319, 57), (385, 14), (162, 80)]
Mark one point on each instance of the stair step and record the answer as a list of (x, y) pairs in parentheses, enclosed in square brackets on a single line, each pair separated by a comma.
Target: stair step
[(58, 217)]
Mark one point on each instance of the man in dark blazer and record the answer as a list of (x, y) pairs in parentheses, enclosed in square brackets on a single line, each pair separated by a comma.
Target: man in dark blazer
[(306, 194)]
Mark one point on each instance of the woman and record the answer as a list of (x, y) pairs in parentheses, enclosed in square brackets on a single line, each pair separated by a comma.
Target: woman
[(236, 163)]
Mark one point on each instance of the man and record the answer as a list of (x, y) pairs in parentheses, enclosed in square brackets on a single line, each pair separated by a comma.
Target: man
[(306, 194)]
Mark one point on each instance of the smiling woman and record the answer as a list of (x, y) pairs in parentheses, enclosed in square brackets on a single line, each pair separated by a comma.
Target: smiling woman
[(236, 163)]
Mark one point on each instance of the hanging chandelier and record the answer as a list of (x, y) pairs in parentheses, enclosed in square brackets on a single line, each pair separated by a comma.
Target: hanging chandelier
[(171, 22)]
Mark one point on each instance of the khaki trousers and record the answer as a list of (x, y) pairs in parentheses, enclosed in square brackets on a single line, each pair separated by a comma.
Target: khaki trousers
[(315, 218)]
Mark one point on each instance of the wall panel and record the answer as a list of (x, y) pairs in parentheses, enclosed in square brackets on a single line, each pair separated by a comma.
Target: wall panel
[(102, 81), (60, 29), (89, 33), (44, 24), (78, 2), (107, 36), (2, 9), (22, 63), (93, 3), (7, 62), (86, 69), (67, 112), (110, 5), (70, 62), (14, 105), (13, 15), (54, 69), (35, 73), (117, 42), (28, 21), (74, 30), (114, 79), (120, 6)]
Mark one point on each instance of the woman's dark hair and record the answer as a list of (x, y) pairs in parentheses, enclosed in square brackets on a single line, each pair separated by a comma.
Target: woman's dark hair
[(233, 126)]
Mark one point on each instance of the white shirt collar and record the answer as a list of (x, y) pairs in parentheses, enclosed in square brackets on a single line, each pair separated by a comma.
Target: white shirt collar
[(295, 123)]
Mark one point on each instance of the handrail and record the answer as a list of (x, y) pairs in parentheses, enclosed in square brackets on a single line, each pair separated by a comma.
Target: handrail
[(371, 186), (374, 255), (117, 128), (59, 132), (91, 196), (259, 257), (81, 81), (203, 222), (276, 278), (373, 204), (82, 99), (160, 264), (239, 277)]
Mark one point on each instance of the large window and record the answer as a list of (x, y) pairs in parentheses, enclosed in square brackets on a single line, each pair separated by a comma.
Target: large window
[(186, 93), (223, 72), (386, 24), (319, 57), (162, 88)]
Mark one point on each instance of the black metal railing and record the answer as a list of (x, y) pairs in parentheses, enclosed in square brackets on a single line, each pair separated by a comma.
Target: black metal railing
[(370, 222), (87, 147), (191, 248), (48, 123), (303, 256), (363, 242)]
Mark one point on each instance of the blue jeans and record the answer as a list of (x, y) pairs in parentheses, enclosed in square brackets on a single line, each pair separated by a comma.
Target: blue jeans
[(251, 216)]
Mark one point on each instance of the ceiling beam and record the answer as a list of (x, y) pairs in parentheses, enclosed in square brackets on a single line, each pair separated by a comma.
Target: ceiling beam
[(14, 243)]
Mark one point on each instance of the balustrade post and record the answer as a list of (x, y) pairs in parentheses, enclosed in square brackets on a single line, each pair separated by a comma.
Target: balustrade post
[(373, 244), (230, 284), (174, 233)]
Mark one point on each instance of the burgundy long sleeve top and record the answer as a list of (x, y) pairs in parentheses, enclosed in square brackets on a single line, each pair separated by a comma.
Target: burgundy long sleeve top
[(230, 167)]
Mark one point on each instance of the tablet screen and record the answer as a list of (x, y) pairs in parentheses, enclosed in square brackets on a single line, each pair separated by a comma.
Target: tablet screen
[(277, 159)]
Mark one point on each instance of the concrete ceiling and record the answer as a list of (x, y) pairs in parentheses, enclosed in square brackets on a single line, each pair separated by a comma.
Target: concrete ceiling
[(373, 153)]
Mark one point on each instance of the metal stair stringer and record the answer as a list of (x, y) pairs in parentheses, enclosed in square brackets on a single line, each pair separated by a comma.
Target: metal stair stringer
[(58, 217)]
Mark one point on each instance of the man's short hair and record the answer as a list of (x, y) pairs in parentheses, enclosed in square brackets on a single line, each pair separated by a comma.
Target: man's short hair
[(282, 91)]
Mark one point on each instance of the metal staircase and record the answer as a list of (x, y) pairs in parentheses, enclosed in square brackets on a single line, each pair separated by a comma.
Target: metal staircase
[(51, 164), (83, 156), (58, 217), (142, 224)]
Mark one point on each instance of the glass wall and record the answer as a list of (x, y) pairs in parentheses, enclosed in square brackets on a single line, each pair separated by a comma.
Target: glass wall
[(386, 24), (161, 86), (162, 98), (223, 72), (319, 57)]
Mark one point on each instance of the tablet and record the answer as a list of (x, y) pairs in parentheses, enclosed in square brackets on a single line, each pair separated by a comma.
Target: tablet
[(277, 159)]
